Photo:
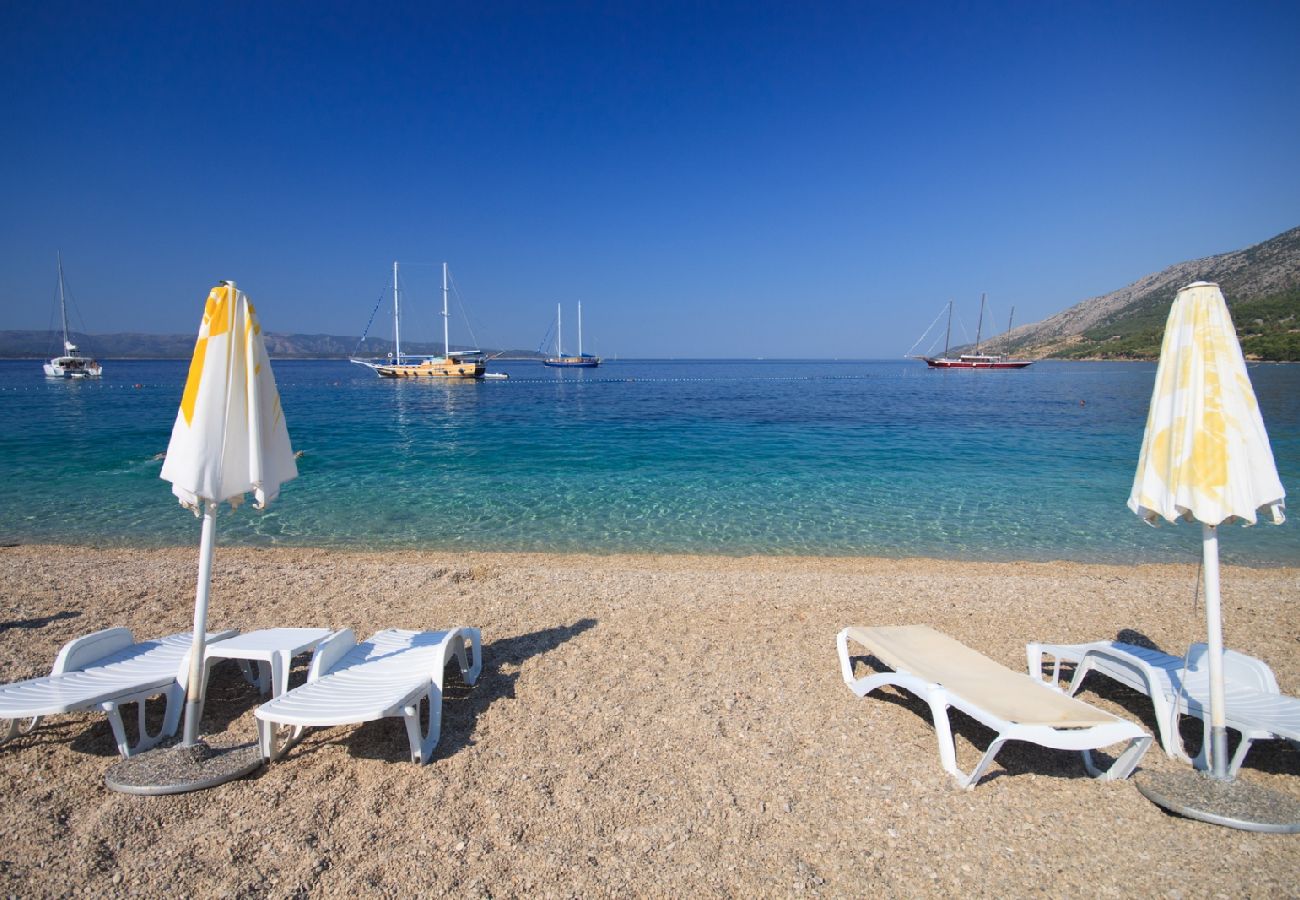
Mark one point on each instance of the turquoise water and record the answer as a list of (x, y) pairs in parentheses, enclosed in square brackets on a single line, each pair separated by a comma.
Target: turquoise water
[(879, 458)]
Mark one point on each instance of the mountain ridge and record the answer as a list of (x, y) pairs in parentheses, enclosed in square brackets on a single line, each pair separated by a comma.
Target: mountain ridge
[(1261, 284)]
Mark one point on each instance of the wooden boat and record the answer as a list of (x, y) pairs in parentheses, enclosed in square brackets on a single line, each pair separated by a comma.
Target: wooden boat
[(458, 364)]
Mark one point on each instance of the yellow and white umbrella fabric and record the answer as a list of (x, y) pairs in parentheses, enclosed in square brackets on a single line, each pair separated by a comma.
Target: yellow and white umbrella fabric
[(229, 439), (1205, 454)]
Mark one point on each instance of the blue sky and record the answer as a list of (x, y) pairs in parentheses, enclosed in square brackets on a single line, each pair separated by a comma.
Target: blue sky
[(756, 179)]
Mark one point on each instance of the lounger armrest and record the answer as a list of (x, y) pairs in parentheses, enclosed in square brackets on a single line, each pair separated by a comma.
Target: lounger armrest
[(79, 653), (329, 652)]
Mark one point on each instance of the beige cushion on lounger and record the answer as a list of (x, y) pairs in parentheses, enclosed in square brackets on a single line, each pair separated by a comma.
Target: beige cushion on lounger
[(937, 658)]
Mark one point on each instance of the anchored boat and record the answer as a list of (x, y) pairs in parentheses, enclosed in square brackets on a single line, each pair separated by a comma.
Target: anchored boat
[(559, 360), (452, 364), (71, 364), (974, 360)]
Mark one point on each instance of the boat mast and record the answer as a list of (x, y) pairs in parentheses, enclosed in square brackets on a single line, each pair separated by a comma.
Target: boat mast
[(63, 308), (948, 334), (980, 326), (1011, 318), (579, 328), (446, 317), (397, 319), (559, 333)]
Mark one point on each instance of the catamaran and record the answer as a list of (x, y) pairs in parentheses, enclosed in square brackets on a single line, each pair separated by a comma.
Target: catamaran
[(974, 360), (559, 360), (71, 364), (452, 363)]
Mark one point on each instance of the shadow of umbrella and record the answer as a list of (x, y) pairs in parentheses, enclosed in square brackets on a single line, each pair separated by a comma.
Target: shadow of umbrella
[(463, 705)]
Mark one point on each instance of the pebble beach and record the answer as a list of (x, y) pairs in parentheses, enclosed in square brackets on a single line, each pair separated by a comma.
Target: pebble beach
[(644, 725)]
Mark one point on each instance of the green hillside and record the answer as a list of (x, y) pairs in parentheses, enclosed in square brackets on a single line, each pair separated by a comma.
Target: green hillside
[(1268, 327), (1261, 284)]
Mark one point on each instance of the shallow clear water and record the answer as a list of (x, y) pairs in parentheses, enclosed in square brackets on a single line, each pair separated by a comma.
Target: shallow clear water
[(882, 458)]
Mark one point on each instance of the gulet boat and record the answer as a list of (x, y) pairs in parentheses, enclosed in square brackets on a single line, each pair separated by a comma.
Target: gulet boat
[(455, 364), (559, 360), (974, 360)]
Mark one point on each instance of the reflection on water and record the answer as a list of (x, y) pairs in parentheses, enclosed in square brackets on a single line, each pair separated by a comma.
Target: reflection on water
[(877, 458)]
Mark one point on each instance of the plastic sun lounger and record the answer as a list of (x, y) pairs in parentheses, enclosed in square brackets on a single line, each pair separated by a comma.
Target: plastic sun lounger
[(1254, 705), (106, 670), (388, 675), (945, 673)]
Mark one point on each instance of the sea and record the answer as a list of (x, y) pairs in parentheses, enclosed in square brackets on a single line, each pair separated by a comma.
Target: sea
[(879, 458)]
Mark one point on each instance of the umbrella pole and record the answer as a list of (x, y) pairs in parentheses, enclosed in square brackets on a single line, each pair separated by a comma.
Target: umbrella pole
[(195, 685), (1218, 748)]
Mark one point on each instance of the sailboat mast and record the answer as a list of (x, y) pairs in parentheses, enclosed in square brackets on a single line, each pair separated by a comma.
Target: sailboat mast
[(1011, 318), (980, 326), (446, 317), (63, 306), (579, 328), (948, 334), (559, 332), (397, 319)]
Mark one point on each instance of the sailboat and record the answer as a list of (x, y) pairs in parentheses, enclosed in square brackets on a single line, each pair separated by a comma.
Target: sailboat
[(452, 364), (71, 364), (559, 360), (974, 360)]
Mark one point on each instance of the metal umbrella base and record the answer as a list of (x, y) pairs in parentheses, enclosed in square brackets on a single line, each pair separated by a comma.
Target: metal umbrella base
[(178, 769), (1234, 804)]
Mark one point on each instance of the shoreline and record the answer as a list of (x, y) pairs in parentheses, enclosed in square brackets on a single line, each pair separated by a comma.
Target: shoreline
[(645, 724), (1191, 558)]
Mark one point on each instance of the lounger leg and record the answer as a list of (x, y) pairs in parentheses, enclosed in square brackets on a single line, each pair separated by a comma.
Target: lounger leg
[(938, 701), (469, 673), (1240, 756), (175, 700), (943, 732), (148, 740), (115, 723), (15, 727), (266, 738), (422, 744), (1034, 654), (969, 781), (1124, 764)]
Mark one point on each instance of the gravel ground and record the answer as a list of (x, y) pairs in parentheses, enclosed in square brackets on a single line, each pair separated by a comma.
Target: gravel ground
[(644, 725)]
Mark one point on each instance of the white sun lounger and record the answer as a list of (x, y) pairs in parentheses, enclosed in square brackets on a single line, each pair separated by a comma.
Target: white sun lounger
[(388, 675), (1254, 705), (945, 673), (105, 671)]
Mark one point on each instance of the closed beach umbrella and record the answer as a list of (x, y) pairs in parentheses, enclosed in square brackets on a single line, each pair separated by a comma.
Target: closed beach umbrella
[(230, 439), (1205, 455)]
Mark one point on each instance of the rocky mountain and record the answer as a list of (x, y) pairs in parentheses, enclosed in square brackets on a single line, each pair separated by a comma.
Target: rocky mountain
[(1261, 284), (37, 344)]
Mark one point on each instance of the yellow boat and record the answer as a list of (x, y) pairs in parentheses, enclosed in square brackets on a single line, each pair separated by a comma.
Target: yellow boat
[(452, 364)]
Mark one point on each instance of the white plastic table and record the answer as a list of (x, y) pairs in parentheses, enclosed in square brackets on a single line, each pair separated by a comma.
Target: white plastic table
[(270, 648)]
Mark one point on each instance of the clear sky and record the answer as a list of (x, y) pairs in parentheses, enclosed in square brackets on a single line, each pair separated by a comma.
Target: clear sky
[(753, 179)]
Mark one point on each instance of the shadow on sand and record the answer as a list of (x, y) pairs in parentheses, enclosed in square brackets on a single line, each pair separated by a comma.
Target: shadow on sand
[(39, 622), (462, 704), (972, 738)]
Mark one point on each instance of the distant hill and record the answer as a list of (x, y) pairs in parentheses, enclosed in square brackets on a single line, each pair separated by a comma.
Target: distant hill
[(130, 345), (1261, 284)]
